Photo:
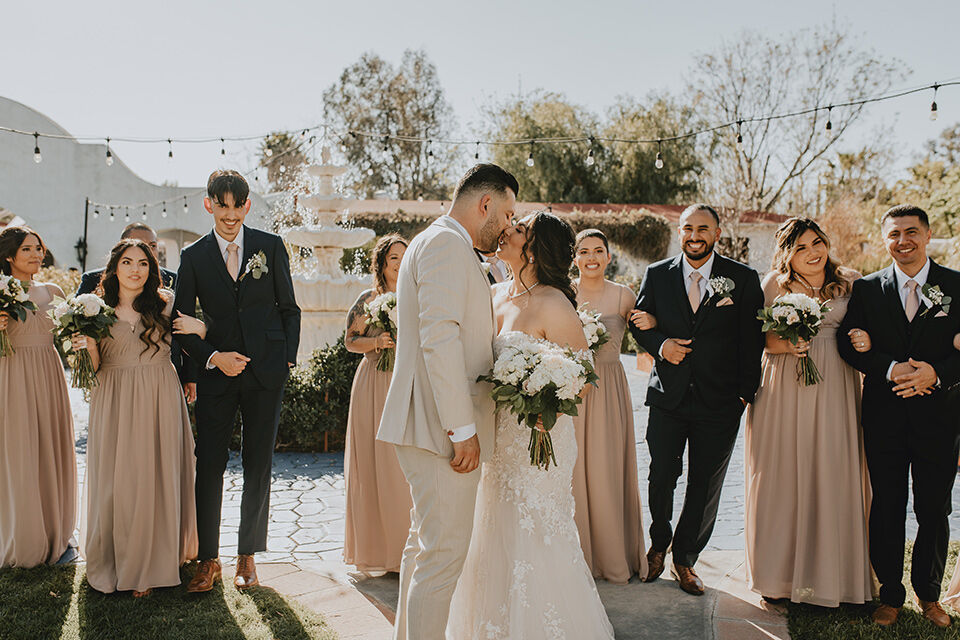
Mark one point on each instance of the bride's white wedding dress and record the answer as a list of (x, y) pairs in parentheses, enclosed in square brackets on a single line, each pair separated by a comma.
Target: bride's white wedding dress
[(525, 576)]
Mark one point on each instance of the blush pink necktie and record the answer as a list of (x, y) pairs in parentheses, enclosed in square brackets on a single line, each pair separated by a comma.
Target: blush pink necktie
[(233, 260), (693, 293), (913, 300)]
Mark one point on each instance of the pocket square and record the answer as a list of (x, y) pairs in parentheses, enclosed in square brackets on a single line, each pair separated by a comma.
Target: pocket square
[(725, 302), (940, 314)]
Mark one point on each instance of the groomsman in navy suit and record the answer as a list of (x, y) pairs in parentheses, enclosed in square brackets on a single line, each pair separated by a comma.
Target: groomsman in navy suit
[(707, 342), (241, 276), (909, 417)]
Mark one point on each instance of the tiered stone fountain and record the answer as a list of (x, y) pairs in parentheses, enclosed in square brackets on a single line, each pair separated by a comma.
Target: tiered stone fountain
[(326, 293)]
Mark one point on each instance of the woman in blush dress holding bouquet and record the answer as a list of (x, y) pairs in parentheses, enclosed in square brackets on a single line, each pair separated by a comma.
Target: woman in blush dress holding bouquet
[(378, 497)]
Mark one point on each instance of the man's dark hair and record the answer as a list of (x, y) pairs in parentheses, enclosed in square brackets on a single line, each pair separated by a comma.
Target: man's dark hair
[(224, 181), (136, 226), (904, 210), (702, 206), (486, 177)]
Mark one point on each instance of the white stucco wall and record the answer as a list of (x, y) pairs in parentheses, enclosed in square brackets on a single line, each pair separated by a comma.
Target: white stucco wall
[(50, 196)]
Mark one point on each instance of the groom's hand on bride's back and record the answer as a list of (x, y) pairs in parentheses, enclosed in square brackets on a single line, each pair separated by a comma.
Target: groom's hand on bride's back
[(466, 455)]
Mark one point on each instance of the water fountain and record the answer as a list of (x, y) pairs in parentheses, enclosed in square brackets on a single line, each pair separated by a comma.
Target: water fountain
[(325, 293)]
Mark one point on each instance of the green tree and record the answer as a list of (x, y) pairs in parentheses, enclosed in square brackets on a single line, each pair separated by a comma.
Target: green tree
[(393, 105), (283, 156)]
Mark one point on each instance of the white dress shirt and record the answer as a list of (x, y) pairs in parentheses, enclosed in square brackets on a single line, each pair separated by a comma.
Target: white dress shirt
[(904, 291), (704, 270), (223, 244)]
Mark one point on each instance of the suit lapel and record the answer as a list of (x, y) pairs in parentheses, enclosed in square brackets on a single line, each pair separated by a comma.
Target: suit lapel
[(891, 294), (704, 309), (213, 253), (924, 313), (250, 247), (679, 287)]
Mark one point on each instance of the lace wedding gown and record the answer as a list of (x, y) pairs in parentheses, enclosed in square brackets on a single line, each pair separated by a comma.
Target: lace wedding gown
[(524, 575)]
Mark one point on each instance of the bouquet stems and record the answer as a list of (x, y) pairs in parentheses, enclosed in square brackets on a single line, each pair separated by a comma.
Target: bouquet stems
[(387, 358), (6, 348), (807, 371), (82, 375), (541, 449)]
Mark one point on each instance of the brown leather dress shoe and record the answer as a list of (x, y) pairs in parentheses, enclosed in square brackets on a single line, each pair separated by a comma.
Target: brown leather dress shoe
[(885, 615), (933, 612), (655, 564), (207, 574), (246, 573), (688, 579)]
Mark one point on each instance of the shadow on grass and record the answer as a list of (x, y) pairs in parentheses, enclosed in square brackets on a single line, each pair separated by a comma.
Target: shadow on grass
[(34, 602), (277, 614)]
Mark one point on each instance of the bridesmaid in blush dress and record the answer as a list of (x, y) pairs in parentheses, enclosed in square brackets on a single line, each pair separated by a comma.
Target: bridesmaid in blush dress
[(378, 497), (605, 485), (38, 469), (140, 524)]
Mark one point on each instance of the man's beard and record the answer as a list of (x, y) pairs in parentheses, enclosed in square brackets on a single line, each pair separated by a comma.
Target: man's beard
[(707, 249), (489, 236)]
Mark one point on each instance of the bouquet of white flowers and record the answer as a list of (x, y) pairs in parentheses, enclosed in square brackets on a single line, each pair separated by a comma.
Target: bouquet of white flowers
[(538, 380), (382, 313), (795, 317), (86, 314), (593, 330), (15, 302)]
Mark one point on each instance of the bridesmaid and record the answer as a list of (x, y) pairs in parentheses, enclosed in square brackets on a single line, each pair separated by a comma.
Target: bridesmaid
[(38, 468), (378, 497), (605, 486), (140, 524), (806, 483)]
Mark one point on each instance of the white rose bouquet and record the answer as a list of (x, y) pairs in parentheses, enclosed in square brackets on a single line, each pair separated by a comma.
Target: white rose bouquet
[(86, 314), (382, 313), (593, 330), (795, 317), (15, 302), (538, 380)]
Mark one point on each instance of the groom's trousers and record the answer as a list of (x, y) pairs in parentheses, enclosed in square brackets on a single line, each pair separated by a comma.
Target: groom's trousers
[(897, 450), (441, 524), (710, 439)]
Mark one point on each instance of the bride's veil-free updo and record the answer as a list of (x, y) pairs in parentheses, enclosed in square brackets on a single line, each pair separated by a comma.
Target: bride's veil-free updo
[(550, 243)]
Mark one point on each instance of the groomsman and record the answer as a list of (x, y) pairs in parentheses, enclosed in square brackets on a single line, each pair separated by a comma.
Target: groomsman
[(707, 343), (241, 277), (909, 418)]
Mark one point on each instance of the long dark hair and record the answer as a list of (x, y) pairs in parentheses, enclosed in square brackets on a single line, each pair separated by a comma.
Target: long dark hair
[(379, 258), (550, 243), (148, 303), (10, 240), (836, 281)]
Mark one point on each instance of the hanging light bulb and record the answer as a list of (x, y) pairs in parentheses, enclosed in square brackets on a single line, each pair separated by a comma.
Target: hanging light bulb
[(658, 163), (386, 150), (283, 168), (370, 171), (530, 160), (163, 214), (476, 154), (420, 198), (96, 213), (36, 148), (223, 151), (933, 105), (429, 151), (111, 214), (590, 159), (303, 134), (343, 147), (268, 152), (144, 214), (169, 149), (829, 119), (186, 209), (109, 159), (739, 135), (126, 216)]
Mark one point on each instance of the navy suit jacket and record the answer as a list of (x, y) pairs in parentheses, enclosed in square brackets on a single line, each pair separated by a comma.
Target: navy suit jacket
[(257, 317)]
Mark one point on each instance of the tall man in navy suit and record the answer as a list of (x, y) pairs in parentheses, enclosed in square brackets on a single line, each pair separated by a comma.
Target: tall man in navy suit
[(241, 276)]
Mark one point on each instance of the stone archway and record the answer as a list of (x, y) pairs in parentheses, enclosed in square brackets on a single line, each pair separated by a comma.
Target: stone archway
[(170, 242)]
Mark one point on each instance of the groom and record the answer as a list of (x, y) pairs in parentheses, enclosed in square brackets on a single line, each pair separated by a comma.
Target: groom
[(436, 413), (708, 344), (909, 417), (241, 277)]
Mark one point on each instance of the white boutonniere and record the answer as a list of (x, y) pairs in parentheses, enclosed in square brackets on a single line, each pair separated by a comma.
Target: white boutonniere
[(937, 299), (486, 266), (256, 266), (722, 288)]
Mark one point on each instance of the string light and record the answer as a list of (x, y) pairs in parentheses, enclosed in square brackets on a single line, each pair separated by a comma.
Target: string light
[(163, 214), (420, 198), (369, 171), (186, 209), (109, 159), (659, 161), (144, 214), (111, 214), (96, 212), (476, 154), (429, 151), (36, 148), (223, 151), (739, 135), (169, 149), (590, 159), (933, 105), (126, 216), (386, 149), (268, 152), (829, 119), (530, 160)]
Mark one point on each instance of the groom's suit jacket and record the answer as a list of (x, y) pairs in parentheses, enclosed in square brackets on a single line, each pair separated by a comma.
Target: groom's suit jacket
[(445, 331), (257, 317), (724, 364), (875, 306)]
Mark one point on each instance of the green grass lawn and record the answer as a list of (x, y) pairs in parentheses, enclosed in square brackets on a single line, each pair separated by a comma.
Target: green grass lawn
[(852, 622), (57, 603)]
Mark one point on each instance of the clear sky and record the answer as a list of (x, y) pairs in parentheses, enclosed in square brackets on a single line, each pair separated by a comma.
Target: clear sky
[(200, 68)]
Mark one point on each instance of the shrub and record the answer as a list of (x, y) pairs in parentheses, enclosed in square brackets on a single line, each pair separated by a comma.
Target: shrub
[(641, 234), (406, 224)]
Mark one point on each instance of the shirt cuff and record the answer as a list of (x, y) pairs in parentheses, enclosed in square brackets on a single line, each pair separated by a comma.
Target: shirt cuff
[(660, 350), (890, 371), (209, 364), (460, 434)]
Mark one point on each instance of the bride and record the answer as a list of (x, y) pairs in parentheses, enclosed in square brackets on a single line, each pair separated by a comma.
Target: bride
[(525, 576)]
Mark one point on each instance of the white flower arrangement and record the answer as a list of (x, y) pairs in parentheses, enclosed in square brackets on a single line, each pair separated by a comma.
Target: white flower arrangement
[(795, 317), (86, 314), (382, 313), (593, 330), (256, 266), (722, 287), (935, 295), (14, 302)]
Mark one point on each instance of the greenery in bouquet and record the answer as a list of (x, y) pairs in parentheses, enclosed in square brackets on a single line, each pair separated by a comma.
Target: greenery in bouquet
[(88, 315), (14, 302), (382, 314), (796, 317)]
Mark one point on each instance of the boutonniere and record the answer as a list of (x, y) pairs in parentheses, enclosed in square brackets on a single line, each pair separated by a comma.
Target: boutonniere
[(937, 298), (486, 266), (256, 266), (722, 288)]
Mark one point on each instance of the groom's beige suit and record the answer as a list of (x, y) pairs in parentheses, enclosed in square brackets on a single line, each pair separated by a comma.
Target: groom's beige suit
[(444, 341)]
